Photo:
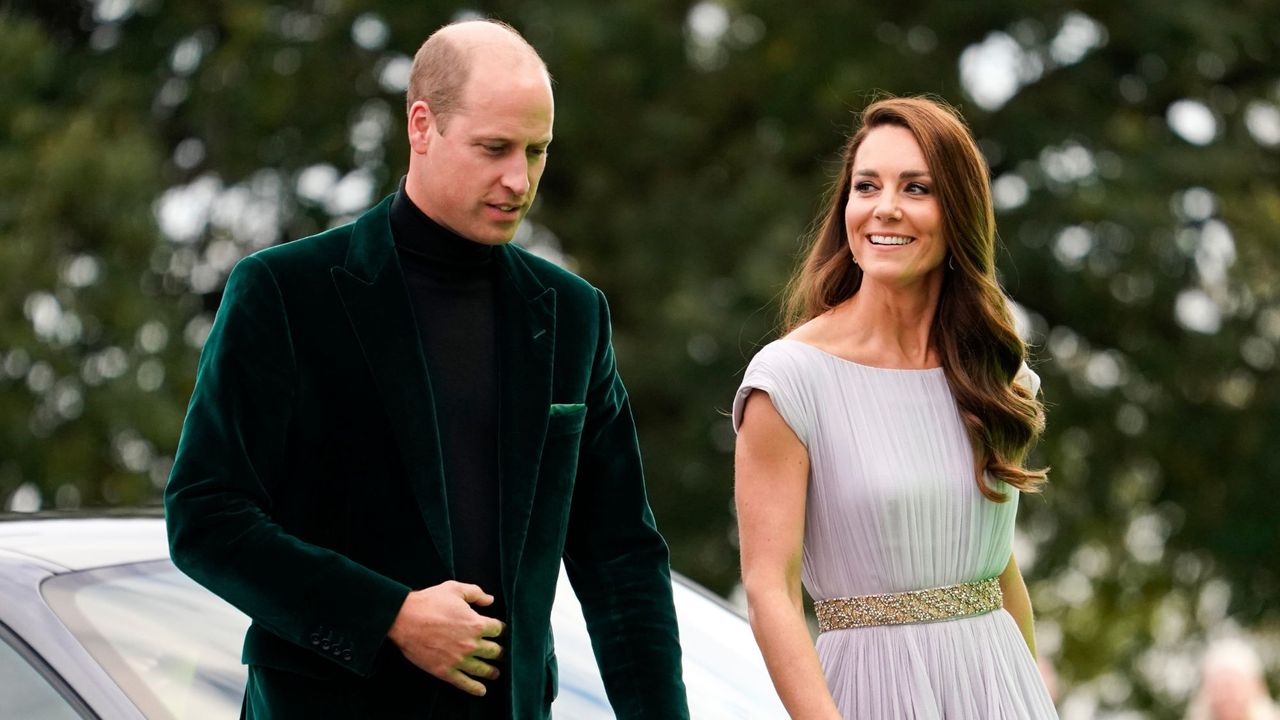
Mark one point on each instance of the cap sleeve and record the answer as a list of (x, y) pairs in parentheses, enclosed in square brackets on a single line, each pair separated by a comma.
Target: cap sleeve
[(775, 373)]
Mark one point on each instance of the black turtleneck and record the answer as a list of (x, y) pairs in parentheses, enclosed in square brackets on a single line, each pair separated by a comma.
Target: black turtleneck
[(451, 286)]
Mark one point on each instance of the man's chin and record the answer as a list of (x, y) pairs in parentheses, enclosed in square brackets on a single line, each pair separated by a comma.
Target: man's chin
[(501, 235), (492, 235)]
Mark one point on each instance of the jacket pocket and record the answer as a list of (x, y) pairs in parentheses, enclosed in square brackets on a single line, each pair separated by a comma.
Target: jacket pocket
[(565, 419)]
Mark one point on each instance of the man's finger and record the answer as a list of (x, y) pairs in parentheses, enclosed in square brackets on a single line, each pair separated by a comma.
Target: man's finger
[(478, 668), (469, 592), (493, 628), (487, 650), (464, 683), (474, 595)]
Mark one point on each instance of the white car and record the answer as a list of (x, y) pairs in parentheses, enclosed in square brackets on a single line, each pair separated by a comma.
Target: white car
[(96, 622)]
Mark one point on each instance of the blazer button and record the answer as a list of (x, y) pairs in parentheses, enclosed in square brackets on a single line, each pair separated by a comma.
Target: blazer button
[(346, 655), (315, 638), (324, 645)]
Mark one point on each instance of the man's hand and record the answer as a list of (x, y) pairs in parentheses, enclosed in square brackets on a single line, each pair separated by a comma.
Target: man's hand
[(438, 631)]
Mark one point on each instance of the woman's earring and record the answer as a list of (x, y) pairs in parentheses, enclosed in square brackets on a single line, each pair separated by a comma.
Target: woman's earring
[(951, 261)]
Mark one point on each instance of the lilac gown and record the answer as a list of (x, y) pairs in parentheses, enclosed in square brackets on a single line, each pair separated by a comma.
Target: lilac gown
[(892, 506)]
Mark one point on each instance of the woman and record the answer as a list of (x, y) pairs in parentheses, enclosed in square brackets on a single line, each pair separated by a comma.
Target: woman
[(881, 443)]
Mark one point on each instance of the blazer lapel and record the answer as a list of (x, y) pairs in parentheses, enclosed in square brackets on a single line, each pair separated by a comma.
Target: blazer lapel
[(526, 343), (373, 291)]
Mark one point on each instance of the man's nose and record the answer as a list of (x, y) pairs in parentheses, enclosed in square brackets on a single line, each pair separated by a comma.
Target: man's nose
[(515, 176)]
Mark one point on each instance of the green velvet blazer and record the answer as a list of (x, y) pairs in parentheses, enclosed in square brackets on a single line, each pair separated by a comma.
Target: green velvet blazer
[(308, 488)]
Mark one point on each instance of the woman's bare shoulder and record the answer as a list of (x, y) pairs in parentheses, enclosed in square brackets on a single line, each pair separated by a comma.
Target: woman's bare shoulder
[(815, 331)]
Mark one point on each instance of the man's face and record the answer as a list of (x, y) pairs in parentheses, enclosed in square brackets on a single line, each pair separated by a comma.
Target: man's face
[(479, 171)]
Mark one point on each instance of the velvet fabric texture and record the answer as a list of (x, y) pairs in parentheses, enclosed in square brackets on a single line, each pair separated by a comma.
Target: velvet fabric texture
[(308, 488)]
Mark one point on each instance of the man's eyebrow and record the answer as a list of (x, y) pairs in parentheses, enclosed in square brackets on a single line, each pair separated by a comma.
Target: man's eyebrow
[(504, 140)]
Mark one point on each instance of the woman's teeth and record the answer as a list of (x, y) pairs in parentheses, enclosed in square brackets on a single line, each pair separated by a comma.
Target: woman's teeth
[(890, 240)]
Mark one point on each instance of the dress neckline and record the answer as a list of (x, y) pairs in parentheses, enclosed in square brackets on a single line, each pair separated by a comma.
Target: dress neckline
[(854, 363)]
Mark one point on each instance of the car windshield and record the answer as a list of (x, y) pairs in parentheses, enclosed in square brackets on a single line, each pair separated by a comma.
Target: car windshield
[(174, 648), (169, 644)]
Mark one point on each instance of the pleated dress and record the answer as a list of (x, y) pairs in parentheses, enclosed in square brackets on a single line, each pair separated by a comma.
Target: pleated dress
[(892, 506)]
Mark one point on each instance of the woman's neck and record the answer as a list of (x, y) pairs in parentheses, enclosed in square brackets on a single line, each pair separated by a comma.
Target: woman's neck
[(881, 325)]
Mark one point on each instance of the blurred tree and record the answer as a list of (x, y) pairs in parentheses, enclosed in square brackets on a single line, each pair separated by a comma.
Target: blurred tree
[(146, 145)]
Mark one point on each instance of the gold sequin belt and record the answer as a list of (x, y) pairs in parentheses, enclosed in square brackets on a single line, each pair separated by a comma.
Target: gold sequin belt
[(916, 606)]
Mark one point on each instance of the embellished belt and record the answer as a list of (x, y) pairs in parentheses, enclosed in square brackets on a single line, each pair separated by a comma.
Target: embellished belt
[(916, 606)]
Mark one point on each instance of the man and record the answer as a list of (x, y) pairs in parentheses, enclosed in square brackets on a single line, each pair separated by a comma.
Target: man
[(402, 425)]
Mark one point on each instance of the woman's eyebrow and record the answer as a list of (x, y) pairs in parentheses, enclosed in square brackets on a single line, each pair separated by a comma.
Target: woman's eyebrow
[(905, 174)]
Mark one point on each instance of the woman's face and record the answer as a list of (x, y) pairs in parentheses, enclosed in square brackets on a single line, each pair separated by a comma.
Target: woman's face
[(892, 217)]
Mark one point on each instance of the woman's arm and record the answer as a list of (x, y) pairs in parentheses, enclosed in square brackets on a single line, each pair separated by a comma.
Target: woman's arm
[(771, 478), (1017, 601)]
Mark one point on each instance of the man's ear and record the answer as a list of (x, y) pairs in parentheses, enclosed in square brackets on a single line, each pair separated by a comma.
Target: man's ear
[(422, 125)]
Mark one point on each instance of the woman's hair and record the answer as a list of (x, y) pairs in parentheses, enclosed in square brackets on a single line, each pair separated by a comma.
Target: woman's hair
[(973, 330)]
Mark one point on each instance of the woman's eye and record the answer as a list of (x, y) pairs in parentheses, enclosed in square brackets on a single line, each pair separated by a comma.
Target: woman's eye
[(864, 187), (918, 189)]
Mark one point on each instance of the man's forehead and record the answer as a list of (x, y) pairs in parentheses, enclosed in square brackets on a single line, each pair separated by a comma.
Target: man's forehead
[(500, 96), (487, 117), (483, 128), (507, 68)]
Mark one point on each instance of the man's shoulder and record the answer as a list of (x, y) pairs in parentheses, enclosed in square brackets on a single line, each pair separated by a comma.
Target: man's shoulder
[(324, 249)]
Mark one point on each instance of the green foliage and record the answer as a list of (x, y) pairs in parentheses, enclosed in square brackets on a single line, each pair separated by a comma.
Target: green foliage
[(141, 154)]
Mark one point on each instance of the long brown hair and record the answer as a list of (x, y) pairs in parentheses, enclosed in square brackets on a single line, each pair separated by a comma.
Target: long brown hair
[(973, 329)]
